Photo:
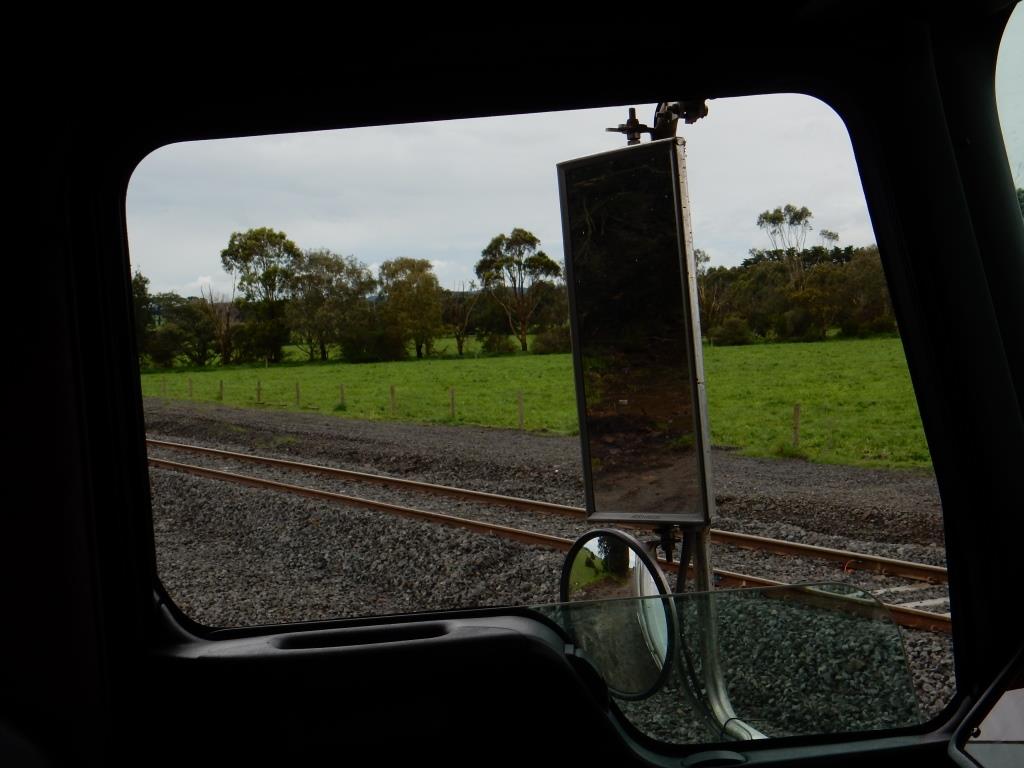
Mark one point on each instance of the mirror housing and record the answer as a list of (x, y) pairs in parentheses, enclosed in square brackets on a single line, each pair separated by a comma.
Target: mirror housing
[(633, 642), (635, 323)]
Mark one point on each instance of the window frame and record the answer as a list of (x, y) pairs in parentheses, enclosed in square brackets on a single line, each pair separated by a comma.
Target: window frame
[(932, 122)]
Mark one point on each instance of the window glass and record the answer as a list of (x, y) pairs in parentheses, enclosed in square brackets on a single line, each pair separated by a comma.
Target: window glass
[(390, 302)]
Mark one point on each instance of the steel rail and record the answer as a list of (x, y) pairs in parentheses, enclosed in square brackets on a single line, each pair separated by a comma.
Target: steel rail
[(365, 477), (885, 566), (526, 537), (909, 617)]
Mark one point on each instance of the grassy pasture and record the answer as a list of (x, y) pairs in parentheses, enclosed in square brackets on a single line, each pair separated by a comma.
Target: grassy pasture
[(857, 405), (856, 401), (486, 389)]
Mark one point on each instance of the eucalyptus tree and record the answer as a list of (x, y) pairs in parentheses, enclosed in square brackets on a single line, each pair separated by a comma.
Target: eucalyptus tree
[(511, 268), (412, 300), (323, 289), (261, 261)]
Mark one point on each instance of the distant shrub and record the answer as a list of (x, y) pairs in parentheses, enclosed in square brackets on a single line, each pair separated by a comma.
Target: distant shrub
[(553, 341), (498, 344), (854, 327), (798, 324), (373, 345), (165, 344), (734, 331)]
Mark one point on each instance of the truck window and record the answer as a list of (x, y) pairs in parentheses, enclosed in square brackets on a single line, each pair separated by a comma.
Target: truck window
[(345, 337)]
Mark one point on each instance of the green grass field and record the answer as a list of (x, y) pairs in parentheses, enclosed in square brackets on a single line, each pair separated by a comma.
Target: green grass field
[(857, 405), (486, 389)]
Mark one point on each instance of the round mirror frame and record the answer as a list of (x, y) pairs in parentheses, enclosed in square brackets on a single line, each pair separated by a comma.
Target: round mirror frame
[(660, 582)]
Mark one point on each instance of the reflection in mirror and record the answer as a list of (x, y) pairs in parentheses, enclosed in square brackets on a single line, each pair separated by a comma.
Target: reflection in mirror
[(630, 642), (796, 661), (629, 268)]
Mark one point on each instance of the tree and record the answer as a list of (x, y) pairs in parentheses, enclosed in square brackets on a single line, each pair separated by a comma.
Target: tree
[(194, 333), (787, 229), (712, 293), (867, 307), (828, 238), (553, 306), (457, 312), (223, 315), (143, 312), (701, 262), (261, 260), (509, 269), (759, 294), (366, 337), (323, 287), (412, 300), (166, 344)]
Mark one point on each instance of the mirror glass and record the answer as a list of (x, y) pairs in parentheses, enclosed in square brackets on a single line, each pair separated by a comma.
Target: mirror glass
[(630, 642), (633, 334), (795, 661)]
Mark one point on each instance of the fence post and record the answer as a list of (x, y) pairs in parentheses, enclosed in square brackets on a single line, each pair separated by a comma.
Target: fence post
[(341, 391), (451, 401), (796, 425), (259, 392), (298, 399), (392, 399), (519, 400)]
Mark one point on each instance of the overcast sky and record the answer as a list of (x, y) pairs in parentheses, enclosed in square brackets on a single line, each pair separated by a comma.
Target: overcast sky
[(441, 191)]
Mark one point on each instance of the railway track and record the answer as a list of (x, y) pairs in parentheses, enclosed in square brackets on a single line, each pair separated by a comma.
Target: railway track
[(911, 613)]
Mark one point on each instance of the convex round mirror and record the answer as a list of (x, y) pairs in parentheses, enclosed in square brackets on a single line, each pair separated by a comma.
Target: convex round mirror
[(631, 636)]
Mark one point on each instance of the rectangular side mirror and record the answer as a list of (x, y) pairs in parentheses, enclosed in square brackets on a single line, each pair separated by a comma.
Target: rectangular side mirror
[(636, 335)]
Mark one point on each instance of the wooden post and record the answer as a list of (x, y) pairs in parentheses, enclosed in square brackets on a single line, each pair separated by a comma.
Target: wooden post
[(220, 391), (259, 392), (190, 388), (519, 400), (392, 399), (796, 425), (341, 392), (451, 402), (298, 399)]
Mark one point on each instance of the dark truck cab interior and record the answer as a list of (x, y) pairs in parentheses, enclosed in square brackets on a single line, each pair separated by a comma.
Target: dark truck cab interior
[(100, 668)]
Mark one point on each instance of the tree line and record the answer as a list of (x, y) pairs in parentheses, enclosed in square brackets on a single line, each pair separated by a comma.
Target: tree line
[(330, 304), (323, 301), (794, 292)]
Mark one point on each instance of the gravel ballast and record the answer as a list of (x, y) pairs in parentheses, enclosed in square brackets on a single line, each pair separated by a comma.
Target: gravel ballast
[(232, 556)]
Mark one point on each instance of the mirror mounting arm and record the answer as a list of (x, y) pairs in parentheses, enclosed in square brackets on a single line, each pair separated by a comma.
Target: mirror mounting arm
[(667, 539), (632, 128), (666, 119)]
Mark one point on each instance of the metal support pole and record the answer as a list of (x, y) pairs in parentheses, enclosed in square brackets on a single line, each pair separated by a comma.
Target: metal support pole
[(714, 681)]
